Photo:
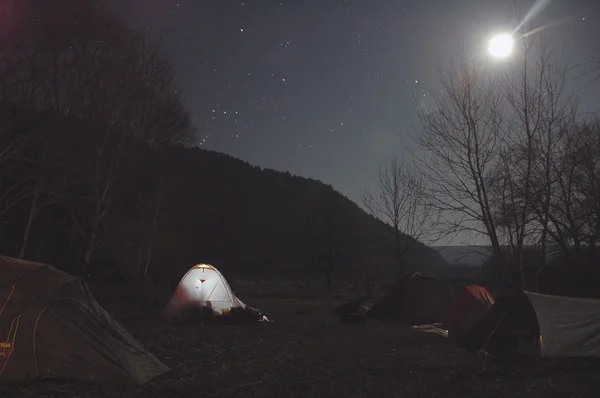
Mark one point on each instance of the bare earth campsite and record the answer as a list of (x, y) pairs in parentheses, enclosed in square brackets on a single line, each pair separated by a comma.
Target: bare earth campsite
[(310, 351), (308, 198)]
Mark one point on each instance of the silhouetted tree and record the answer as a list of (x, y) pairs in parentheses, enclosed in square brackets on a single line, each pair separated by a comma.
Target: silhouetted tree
[(46, 172), (13, 139), (94, 136), (486, 143), (88, 65), (401, 203)]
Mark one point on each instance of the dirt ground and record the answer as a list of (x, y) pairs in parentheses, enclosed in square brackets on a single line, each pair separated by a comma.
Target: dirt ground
[(309, 352)]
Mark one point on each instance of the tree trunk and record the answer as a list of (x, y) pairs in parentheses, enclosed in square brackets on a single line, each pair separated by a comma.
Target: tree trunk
[(91, 241), (159, 198), (147, 263), (32, 212), (519, 277), (399, 251), (538, 279), (538, 275), (89, 251)]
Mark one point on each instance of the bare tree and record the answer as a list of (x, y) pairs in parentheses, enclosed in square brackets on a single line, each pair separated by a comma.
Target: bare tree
[(13, 187), (573, 211), (44, 181), (531, 109), (557, 120), (402, 204), (172, 126), (116, 82), (589, 184), (458, 143), (487, 145)]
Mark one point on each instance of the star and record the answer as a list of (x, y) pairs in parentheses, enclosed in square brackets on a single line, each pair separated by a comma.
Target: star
[(351, 65)]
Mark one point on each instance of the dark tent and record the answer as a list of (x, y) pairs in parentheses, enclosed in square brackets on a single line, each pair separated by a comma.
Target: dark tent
[(52, 327), (413, 299), (466, 309), (549, 326), (510, 321)]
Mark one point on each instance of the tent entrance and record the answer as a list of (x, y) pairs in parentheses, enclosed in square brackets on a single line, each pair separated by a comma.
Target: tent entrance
[(8, 346), (509, 326)]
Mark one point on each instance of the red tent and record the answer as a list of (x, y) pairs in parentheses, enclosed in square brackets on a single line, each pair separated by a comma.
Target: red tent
[(466, 309)]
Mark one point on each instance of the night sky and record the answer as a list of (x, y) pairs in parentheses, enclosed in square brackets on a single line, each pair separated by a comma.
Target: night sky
[(324, 89)]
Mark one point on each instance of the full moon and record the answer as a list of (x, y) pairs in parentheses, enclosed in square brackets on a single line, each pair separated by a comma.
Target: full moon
[(501, 46)]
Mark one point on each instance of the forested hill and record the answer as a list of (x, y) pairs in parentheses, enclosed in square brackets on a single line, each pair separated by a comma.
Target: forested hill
[(95, 178), (114, 205), (247, 220)]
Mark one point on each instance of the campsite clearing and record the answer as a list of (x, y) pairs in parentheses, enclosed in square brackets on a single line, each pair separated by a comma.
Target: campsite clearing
[(309, 352)]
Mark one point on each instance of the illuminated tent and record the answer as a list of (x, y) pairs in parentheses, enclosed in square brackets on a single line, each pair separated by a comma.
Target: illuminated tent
[(466, 309), (52, 327), (203, 286)]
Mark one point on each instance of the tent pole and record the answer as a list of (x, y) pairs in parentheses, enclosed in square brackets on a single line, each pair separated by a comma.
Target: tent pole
[(202, 307)]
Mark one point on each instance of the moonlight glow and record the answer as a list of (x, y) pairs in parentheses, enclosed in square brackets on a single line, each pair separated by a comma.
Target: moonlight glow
[(501, 46)]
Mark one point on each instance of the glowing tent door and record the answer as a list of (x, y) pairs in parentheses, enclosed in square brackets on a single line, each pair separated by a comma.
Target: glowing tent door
[(202, 308), (202, 286)]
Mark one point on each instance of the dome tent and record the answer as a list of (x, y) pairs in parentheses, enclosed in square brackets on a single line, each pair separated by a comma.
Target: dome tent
[(539, 324), (203, 286), (466, 309), (52, 327), (413, 299)]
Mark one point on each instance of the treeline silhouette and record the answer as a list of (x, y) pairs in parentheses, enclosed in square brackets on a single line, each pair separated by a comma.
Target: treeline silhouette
[(99, 176), (171, 207)]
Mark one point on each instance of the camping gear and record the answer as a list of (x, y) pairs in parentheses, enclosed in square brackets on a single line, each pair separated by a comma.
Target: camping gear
[(52, 327), (354, 311), (435, 328), (466, 309), (203, 287), (548, 326), (413, 299)]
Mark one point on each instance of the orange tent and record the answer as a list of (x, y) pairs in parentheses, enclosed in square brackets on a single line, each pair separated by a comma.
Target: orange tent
[(466, 309)]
